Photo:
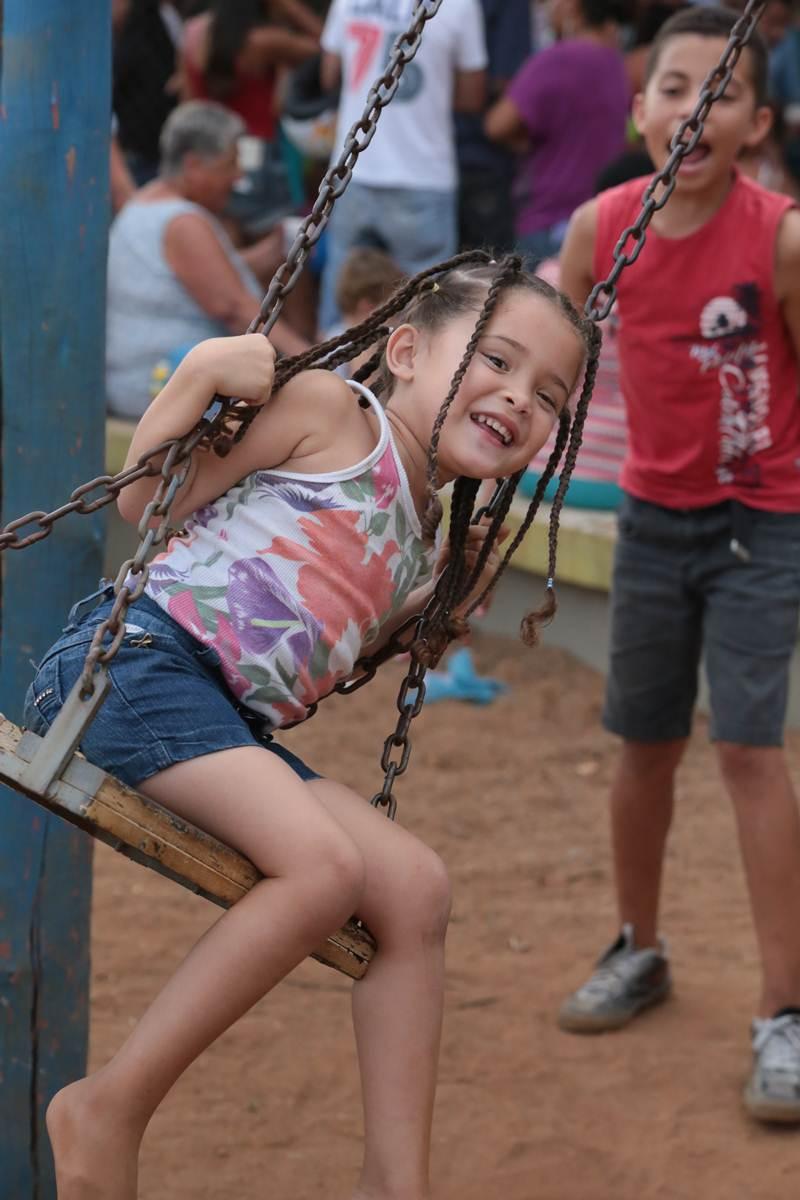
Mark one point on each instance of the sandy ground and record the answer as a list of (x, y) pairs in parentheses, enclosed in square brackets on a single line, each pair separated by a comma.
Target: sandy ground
[(513, 797)]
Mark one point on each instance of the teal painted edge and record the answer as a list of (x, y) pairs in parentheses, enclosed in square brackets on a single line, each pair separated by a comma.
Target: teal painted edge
[(54, 208)]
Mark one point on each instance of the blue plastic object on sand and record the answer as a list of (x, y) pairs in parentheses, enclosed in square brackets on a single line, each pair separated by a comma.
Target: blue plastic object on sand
[(460, 681)]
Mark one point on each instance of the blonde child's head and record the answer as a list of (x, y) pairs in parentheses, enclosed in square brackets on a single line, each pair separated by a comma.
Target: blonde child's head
[(367, 278)]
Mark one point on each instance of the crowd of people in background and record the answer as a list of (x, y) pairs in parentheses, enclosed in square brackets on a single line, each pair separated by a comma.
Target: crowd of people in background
[(226, 114)]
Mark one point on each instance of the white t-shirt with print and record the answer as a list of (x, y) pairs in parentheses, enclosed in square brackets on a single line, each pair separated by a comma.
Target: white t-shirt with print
[(414, 145)]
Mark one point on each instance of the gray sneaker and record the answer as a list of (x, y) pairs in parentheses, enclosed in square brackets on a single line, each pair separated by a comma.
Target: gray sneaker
[(625, 981), (773, 1089)]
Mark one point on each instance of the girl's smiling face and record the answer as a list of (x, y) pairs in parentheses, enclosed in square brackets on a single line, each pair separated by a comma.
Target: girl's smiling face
[(521, 376)]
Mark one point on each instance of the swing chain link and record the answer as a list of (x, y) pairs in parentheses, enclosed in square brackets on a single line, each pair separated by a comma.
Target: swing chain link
[(78, 502), (409, 707), (132, 578), (690, 131)]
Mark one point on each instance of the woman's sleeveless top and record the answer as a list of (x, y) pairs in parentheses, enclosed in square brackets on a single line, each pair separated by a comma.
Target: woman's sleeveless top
[(149, 313), (289, 577)]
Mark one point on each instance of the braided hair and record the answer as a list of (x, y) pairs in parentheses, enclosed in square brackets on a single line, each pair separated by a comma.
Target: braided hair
[(480, 286), (471, 281)]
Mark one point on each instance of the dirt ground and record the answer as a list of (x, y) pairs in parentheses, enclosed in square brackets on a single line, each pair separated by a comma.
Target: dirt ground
[(513, 797)]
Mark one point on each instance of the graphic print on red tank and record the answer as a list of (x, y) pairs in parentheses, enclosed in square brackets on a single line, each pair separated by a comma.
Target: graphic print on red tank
[(707, 366)]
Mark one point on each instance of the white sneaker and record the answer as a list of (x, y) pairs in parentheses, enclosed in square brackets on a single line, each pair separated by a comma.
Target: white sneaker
[(625, 981), (773, 1089)]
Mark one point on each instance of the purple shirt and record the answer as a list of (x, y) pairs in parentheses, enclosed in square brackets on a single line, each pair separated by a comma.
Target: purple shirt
[(574, 100)]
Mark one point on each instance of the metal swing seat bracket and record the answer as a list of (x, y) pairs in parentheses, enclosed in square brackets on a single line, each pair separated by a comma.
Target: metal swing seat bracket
[(51, 771)]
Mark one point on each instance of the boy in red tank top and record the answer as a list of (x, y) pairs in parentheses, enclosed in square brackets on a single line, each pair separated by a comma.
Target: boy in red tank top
[(708, 556)]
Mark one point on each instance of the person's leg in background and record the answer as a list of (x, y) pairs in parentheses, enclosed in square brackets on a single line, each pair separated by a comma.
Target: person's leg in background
[(418, 226), (656, 634), (351, 224), (751, 636), (543, 243)]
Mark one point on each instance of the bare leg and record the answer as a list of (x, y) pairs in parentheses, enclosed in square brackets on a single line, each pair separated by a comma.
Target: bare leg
[(641, 812), (758, 781), (253, 801), (397, 1007)]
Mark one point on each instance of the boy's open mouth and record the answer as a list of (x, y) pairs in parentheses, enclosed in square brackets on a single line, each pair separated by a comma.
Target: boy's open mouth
[(698, 155), (497, 429)]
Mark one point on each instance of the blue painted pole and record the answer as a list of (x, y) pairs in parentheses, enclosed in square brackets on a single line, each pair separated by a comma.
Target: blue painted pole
[(54, 204)]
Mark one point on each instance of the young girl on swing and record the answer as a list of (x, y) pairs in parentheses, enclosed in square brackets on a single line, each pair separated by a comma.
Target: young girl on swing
[(309, 542)]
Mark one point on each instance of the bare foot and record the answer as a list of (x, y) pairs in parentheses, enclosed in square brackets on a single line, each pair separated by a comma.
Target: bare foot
[(95, 1157)]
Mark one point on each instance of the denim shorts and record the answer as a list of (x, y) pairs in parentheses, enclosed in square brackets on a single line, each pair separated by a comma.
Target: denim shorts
[(168, 700), (681, 593)]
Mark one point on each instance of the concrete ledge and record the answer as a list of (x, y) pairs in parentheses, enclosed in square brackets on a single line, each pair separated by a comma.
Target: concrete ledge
[(586, 541)]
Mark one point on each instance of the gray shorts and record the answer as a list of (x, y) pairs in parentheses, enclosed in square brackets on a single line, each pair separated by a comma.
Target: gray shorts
[(680, 592)]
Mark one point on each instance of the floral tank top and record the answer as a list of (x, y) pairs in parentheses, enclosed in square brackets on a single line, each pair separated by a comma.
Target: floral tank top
[(288, 577)]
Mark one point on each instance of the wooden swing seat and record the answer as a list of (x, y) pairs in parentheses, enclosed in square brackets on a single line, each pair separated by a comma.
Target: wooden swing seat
[(148, 834)]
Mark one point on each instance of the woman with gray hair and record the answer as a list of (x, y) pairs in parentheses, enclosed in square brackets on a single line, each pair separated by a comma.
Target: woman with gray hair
[(174, 277)]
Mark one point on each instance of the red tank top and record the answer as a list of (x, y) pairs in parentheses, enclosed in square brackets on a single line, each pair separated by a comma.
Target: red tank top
[(707, 366), (252, 97)]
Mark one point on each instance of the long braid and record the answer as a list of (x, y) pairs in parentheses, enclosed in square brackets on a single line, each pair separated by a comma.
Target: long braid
[(530, 623), (433, 510), (549, 471), (492, 532), (354, 347), (371, 365), (463, 502), (442, 626)]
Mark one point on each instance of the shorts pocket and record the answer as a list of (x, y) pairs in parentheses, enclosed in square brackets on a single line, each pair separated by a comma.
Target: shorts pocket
[(44, 697), (626, 517), (67, 642)]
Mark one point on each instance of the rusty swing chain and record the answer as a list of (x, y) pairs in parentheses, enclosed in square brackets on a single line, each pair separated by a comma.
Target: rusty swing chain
[(175, 466)]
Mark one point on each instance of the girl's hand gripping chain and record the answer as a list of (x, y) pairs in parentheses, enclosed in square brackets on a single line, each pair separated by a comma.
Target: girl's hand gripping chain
[(241, 366), (235, 366)]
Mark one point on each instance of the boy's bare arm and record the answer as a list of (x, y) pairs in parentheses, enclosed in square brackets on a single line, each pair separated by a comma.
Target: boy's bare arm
[(577, 254), (787, 273)]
